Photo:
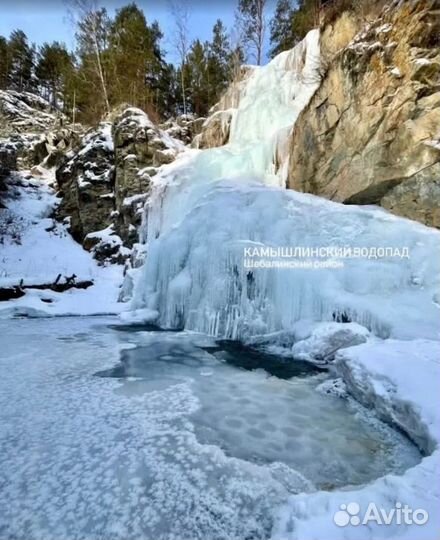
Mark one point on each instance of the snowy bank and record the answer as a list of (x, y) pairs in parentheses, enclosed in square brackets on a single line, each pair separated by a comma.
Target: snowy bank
[(36, 248), (400, 380)]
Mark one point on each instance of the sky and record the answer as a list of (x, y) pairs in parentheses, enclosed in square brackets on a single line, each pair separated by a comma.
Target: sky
[(48, 20)]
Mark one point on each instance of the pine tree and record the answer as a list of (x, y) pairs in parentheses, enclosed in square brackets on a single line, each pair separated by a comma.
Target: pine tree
[(53, 68), (135, 58), (282, 34), (305, 17), (21, 62), (290, 25), (4, 62), (219, 69), (167, 91), (198, 78)]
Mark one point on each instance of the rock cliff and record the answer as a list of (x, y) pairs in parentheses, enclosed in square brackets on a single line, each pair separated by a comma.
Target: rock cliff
[(371, 133), (32, 131), (104, 182)]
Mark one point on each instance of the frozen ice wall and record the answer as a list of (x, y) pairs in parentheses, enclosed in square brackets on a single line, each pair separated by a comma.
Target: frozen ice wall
[(208, 206)]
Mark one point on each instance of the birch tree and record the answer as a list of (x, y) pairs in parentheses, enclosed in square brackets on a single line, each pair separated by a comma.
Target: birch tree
[(180, 14), (251, 18), (92, 36)]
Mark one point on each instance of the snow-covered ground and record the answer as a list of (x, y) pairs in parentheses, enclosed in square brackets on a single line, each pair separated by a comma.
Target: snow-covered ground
[(36, 248)]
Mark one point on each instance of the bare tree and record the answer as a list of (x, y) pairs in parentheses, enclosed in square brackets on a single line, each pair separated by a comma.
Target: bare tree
[(180, 13), (90, 21), (251, 17), (237, 57)]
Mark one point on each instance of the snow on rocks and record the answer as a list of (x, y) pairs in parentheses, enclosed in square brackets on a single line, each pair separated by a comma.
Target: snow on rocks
[(326, 339), (105, 180), (25, 112), (184, 127), (334, 387), (87, 174), (400, 380), (209, 206), (106, 245)]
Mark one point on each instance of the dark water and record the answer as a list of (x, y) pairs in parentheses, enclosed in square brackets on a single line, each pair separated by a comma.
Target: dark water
[(265, 409)]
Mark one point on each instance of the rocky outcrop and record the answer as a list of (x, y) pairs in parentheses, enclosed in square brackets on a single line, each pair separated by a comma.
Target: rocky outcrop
[(183, 128), (23, 112), (215, 130), (104, 182), (140, 148), (35, 132), (371, 133), (86, 183)]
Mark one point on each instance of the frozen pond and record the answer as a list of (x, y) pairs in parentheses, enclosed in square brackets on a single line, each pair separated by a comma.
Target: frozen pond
[(121, 433)]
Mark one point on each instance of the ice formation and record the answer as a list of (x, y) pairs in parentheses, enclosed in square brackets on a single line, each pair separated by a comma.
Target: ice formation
[(208, 206)]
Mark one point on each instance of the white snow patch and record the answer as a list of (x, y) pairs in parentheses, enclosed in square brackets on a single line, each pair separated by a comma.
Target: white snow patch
[(326, 339), (44, 250)]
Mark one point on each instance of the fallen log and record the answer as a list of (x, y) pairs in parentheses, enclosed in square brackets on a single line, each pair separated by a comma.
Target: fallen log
[(17, 291)]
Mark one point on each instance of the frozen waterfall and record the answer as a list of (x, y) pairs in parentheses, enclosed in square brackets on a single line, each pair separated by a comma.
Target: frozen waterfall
[(210, 207)]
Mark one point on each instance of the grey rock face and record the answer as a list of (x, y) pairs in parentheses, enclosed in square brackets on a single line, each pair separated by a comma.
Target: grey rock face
[(370, 134), (26, 113), (104, 182), (86, 183)]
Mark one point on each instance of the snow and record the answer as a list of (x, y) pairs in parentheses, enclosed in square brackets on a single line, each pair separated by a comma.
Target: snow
[(384, 28), (205, 209), (326, 339), (26, 111), (406, 375), (422, 61), (137, 118), (95, 139), (209, 206), (400, 380), (42, 250)]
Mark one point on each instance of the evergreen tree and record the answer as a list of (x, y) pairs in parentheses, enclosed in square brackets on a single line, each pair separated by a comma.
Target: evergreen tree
[(198, 78), (290, 25), (282, 32), (135, 58), (21, 62), (305, 17), (4, 62), (219, 68), (53, 70), (167, 91)]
